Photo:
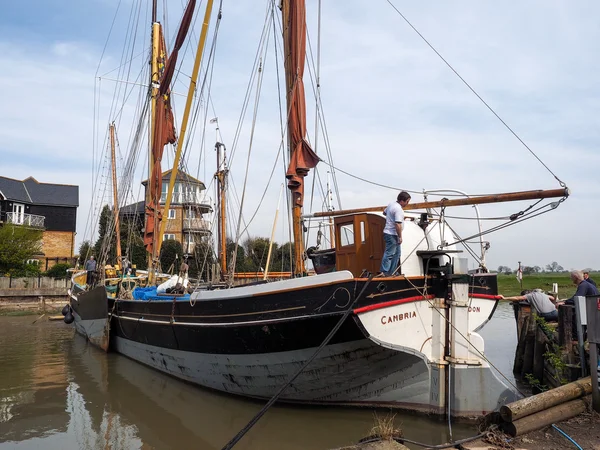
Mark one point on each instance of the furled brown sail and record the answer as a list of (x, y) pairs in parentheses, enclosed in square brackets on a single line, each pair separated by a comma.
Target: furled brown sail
[(164, 129)]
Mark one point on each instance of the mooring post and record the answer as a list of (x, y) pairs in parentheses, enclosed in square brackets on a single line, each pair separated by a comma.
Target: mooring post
[(593, 320), (580, 311), (438, 395)]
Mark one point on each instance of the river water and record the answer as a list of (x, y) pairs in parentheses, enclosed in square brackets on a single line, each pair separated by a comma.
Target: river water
[(58, 392)]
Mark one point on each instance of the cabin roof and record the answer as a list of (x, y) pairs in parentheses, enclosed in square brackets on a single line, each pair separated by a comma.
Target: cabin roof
[(33, 192), (181, 176)]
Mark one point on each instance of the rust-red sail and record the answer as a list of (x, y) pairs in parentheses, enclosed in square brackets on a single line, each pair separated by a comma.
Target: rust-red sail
[(164, 128), (302, 157)]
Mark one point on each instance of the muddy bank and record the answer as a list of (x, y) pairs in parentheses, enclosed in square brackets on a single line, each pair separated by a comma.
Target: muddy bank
[(583, 429), (12, 307)]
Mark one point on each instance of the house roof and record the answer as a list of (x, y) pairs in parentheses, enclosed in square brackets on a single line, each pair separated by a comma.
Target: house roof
[(181, 176), (134, 208), (32, 191)]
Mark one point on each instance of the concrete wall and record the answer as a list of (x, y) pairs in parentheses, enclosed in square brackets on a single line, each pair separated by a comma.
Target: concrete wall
[(6, 283)]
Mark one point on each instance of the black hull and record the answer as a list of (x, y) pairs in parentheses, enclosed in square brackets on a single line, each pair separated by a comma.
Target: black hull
[(251, 344)]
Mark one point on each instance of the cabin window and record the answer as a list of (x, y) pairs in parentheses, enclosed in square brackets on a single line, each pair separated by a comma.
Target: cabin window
[(168, 237), (363, 236), (347, 235), (171, 214)]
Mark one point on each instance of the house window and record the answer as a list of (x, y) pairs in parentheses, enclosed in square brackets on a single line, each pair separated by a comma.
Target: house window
[(171, 214), (163, 193), (190, 243), (168, 237), (18, 213)]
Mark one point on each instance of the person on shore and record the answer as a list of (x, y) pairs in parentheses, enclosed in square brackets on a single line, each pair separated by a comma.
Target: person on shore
[(392, 233), (543, 304), (90, 267), (586, 276), (583, 287)]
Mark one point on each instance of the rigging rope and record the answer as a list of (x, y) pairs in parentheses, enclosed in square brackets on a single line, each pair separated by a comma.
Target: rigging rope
[(476, 94), (275, 397)]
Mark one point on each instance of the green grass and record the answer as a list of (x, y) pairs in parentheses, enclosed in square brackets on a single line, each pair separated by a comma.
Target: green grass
[(508, 285), (20, 312)]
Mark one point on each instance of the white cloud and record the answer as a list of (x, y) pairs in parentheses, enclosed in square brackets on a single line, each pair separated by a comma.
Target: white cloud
[(394, 112)]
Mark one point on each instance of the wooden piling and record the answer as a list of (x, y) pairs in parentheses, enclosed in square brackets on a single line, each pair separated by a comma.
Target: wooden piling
[(538, 354), (546, 417), (565, 327), (522, 325), (531, 405), (529, 346)]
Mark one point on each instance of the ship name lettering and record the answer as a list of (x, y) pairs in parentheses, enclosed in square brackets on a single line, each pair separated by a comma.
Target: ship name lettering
[(398, 317), (474, 309)]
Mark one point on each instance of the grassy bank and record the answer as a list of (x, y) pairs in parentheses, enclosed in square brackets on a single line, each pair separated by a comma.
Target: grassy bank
[(509, 285)]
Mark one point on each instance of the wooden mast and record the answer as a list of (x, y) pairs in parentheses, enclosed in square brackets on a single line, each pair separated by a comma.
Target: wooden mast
[(154, 77), (184, 122), (302, 157), (495, 198), (221, 177), (298, 266), (115, 193)]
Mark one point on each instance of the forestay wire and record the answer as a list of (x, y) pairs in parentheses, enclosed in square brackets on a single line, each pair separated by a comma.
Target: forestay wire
[(476, 94)]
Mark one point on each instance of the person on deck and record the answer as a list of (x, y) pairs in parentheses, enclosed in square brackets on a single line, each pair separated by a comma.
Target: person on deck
[(543, 304), (586, 276), (90, 267), (392, 233)]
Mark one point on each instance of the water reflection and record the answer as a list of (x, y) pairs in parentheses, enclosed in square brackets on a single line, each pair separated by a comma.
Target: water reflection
[(57, 392)]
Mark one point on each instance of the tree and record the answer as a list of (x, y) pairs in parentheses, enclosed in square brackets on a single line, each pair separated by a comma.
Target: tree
[(240, 260), (201, 261), (554, 267), (537, 269), (257, 250), (133, 247), (85, 251), (505, 270), (17, 245), (283, 258), (527, 270), (171, 254), (105, 223)]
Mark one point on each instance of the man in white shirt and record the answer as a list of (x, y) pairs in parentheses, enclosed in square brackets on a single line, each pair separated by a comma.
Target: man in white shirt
[(392, 233)]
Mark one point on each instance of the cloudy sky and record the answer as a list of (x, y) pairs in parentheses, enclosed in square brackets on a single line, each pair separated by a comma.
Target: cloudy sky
[(394, 112)]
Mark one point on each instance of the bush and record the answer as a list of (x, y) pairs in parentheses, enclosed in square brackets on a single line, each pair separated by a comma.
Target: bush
[(58, 271), (27, 270)]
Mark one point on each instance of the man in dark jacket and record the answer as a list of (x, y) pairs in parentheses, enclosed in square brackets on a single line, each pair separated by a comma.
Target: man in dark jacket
[(586, 276), (583, 287)]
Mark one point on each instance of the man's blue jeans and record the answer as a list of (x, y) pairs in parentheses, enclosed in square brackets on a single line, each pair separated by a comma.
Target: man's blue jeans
[(391, 255), (550, 317)]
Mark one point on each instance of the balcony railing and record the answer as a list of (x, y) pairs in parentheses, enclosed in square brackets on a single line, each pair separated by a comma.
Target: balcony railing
[(196, 226), (188, 198), (28, 220)]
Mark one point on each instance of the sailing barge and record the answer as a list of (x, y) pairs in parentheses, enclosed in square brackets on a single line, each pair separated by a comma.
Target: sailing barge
[(410, 340)]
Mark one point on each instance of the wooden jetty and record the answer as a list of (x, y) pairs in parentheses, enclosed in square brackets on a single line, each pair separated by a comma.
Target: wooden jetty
[(548, 354)]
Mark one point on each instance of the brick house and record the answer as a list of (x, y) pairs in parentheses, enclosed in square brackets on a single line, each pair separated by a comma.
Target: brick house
[(186, 221), (49, 207)]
